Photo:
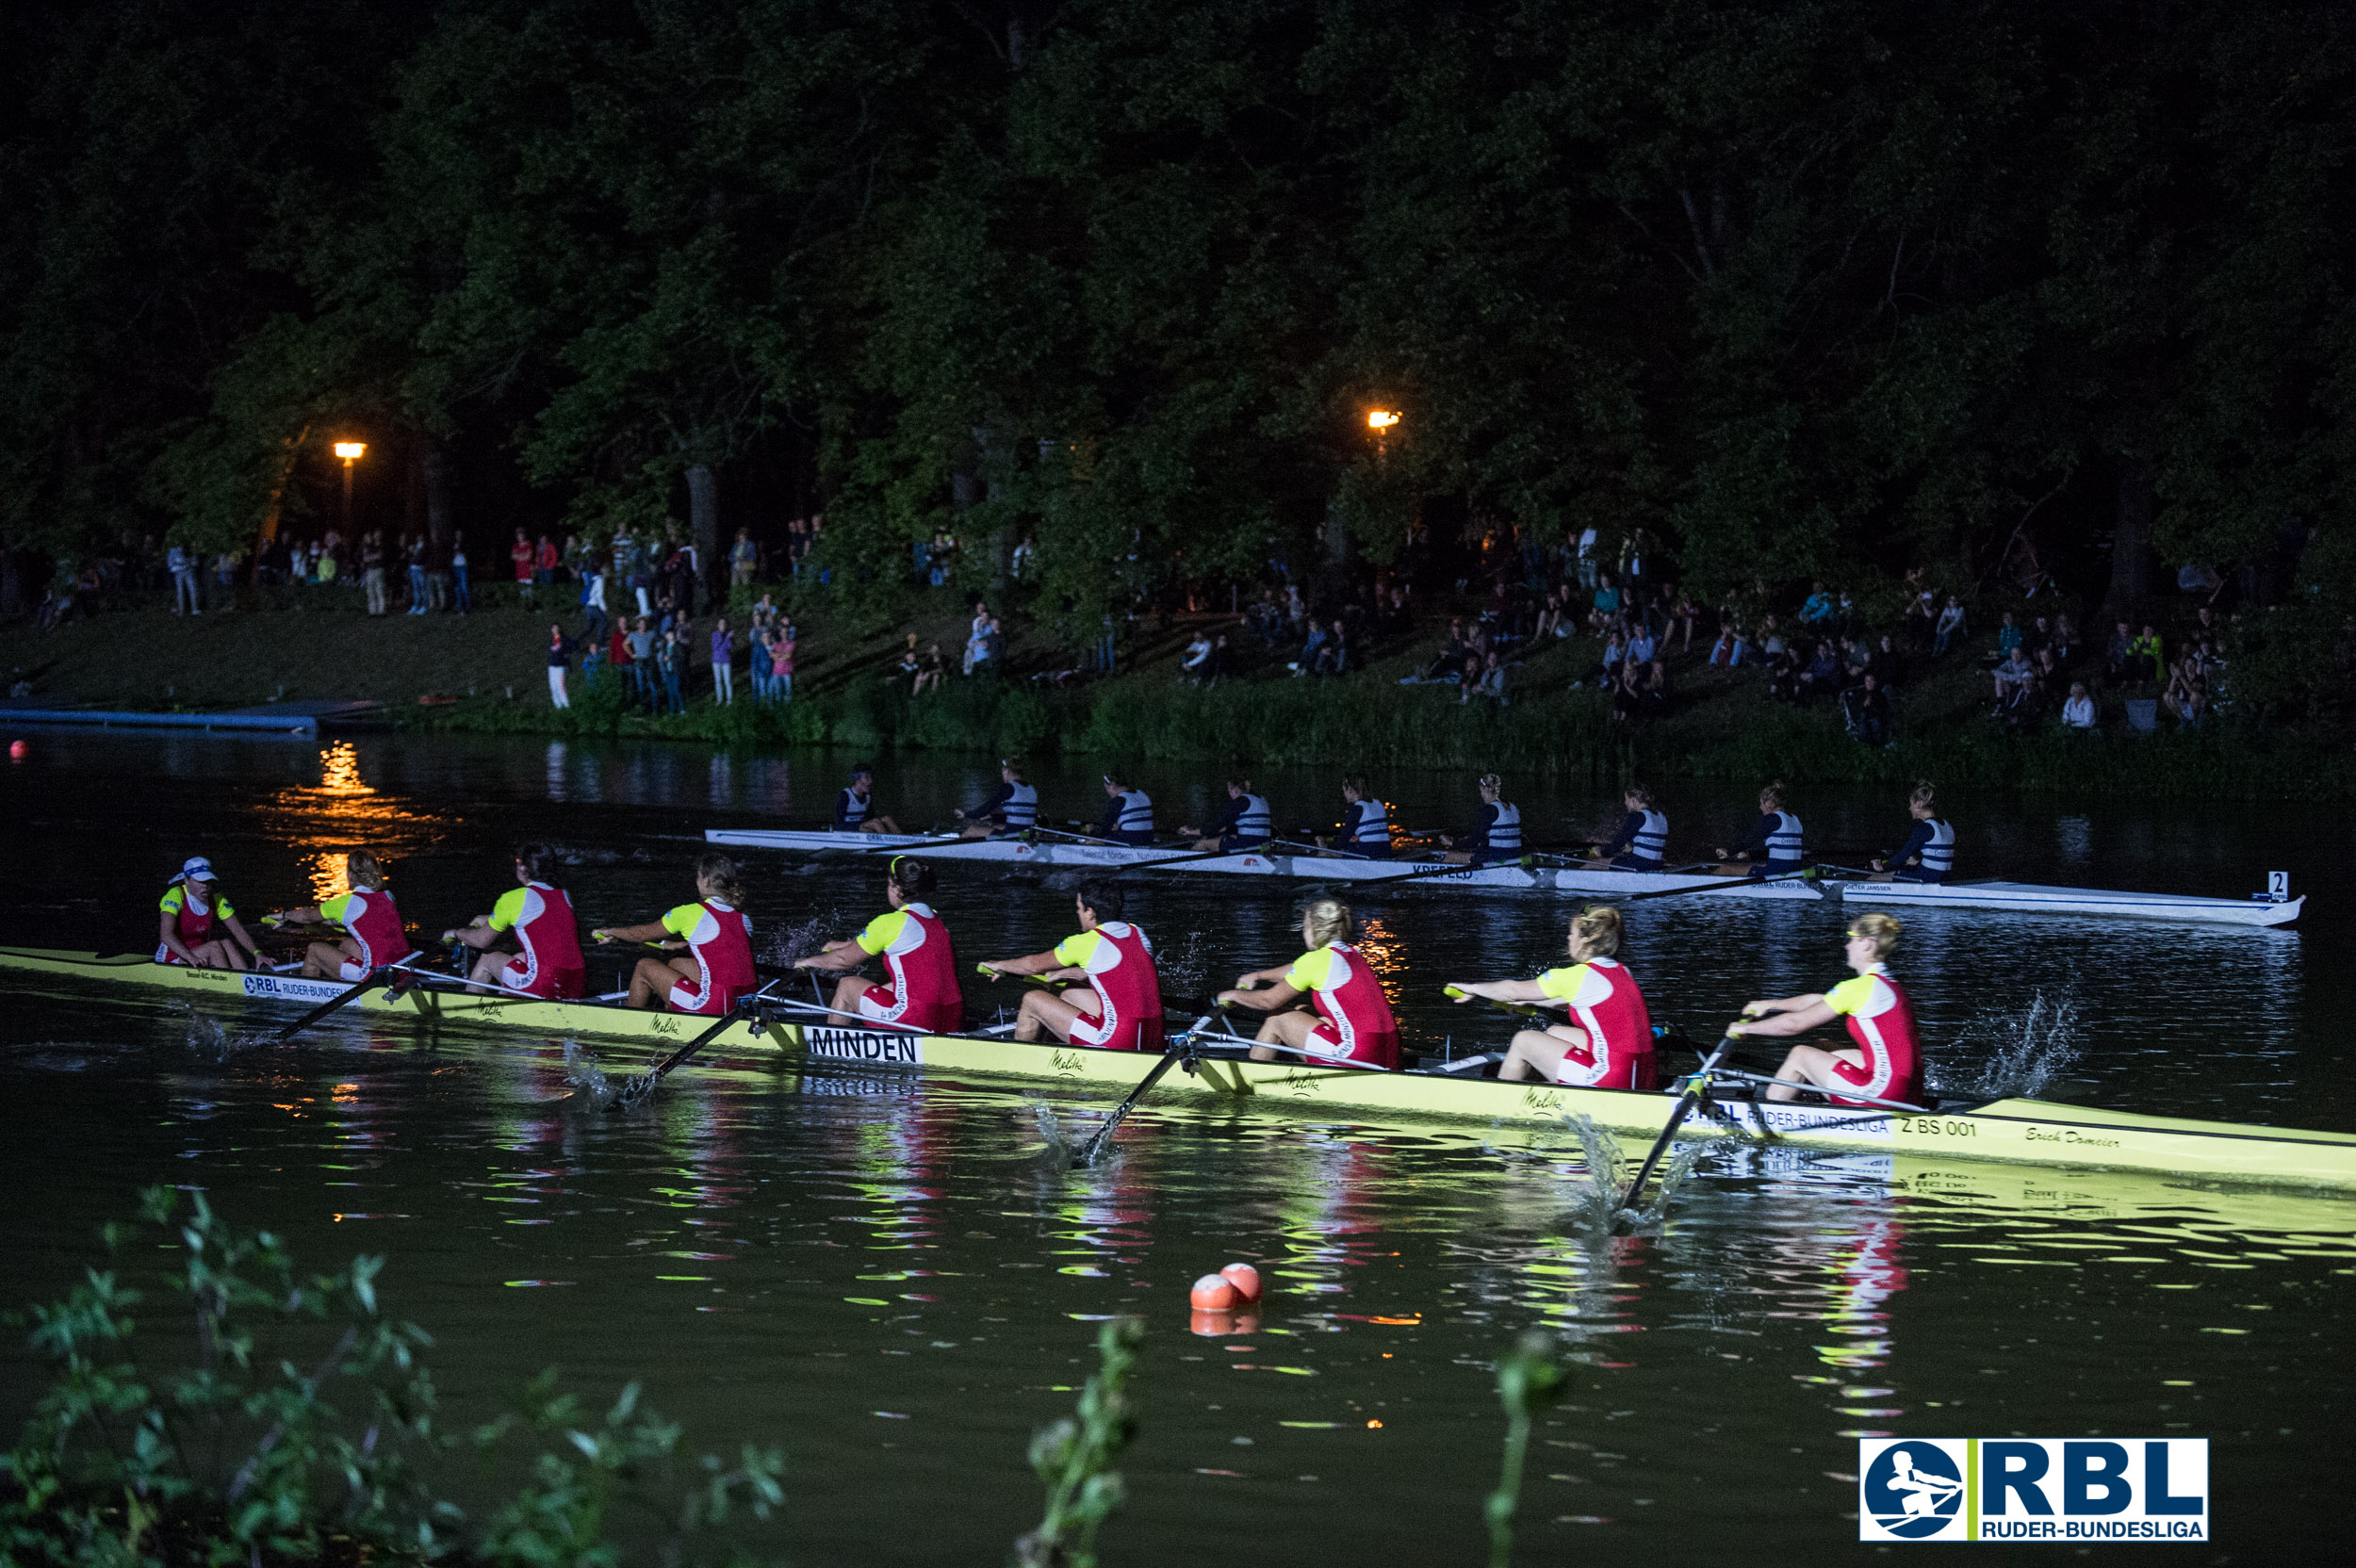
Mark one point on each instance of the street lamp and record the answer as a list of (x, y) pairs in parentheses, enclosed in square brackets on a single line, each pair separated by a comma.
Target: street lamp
[(1381, 418), (352, 453)]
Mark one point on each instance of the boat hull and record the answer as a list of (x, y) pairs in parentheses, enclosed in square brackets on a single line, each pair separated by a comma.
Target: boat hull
[(1320, 868), (2012, 1131), (2028, 898)]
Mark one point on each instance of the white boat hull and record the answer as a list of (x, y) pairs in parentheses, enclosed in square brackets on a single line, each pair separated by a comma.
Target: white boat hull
[(1497, 878), (2029, 898)]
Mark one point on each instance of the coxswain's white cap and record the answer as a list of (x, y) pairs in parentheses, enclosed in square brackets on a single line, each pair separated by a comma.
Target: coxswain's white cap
[(197, 869)]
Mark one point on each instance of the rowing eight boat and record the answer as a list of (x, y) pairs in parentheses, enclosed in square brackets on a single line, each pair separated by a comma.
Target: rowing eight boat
[(2017, 1130), (1503, 877)]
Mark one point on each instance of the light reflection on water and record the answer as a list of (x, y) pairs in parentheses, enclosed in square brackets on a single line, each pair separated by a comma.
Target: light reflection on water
[(779, 1255)]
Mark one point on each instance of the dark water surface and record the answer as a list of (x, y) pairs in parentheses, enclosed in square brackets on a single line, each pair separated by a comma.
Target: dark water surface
[(891, 1280)]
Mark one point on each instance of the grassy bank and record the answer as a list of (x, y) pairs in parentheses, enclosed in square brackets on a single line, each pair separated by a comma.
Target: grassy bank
[(1720, 725)]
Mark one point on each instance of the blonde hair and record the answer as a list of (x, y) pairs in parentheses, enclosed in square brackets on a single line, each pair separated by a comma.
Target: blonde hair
[(1493, 781), (361, 872), (1595, 932), (1924, 795), (719, 874), (1329, 921), (1881, 929), (1771, 793)]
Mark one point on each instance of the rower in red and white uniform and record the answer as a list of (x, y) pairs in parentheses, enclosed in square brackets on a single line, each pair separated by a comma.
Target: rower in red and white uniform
[(1352, 1024), (1887, 1062), (914, 944), (540, 916), (717, 941), (374, 936), (196, 926), (1606, 1042), (1115, 959)]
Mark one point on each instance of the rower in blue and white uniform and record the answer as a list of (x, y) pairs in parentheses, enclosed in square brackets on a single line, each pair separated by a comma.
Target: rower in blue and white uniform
[(1498, 834), (1929, 853), (1642, 842), (1013, 808), (1247, 823), (1366, 831), (854, 808), (1774, 845), (1128, 814)]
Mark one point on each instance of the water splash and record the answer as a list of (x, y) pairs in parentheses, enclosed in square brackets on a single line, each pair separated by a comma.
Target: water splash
[(1596, 1210), (799, 942), (586, 1077), (2017, 1050), (1185, 966), (205, 1036), (1057, 1154)]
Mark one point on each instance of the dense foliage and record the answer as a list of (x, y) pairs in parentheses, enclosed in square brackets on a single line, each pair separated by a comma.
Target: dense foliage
[(1793, 287)]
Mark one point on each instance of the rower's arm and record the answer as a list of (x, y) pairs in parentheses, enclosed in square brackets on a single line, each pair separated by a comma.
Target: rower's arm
[(1814, 1012), (1038, 963), (476, 934), (1263, 999), (652, 931), (1754, 838), (1499, 990), (237, 929), (1262, 976), (835, 957)]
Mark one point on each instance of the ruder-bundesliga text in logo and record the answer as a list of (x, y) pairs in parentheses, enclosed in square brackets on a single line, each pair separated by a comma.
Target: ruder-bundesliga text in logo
[(2078, 1489)]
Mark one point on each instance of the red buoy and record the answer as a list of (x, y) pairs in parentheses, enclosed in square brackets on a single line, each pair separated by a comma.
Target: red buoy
[(1245, 1278), (1212, 1292)]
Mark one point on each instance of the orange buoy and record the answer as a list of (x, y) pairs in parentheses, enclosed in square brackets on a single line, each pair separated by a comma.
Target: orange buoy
[(1245, 1278), (1212, 1292)]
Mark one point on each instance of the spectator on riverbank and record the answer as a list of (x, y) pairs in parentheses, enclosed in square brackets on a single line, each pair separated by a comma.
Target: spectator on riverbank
[(2147, 652), (2014, 672), (723, 664), (618, 653), (756, 664), (1197, 654), (643, 670), (462, 594), (1488, 681), (187, 595), (520, 553), (2078, 714), (593, 580), (1951, 626), (2008, 635), (417, 590), (560, 662), (670, 655), (1817, 612), (781, 661), (372, 570), (744, 559), (1865, 708), (544, 562), (934, 670)]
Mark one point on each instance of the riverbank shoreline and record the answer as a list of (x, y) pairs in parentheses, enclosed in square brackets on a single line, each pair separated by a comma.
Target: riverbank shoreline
[(485, 673)]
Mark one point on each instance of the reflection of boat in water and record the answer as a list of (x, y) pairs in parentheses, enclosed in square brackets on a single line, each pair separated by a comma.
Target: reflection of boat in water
[(1512, 877), (2027, 1132)]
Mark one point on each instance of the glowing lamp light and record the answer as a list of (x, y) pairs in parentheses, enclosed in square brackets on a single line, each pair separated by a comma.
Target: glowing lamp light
[(1381, 418), (352, 451)]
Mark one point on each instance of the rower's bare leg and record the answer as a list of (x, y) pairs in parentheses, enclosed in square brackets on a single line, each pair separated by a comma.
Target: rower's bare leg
[(1538, 1052), (650, 982), (1205, 846), (847, 991), (325, 960), (1045, 1013), (208, 954), (1289, 1029), (486, 976), (1813, 1065), (976, 830)]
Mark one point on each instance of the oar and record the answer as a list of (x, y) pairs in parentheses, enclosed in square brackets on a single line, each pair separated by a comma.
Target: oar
[(1716, 884), (1172, 1055), (1200, 855), (1694, 1087), (639, 1087), (368, 982)]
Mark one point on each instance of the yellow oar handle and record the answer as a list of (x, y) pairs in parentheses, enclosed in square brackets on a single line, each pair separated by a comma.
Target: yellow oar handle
[(1027, 979)]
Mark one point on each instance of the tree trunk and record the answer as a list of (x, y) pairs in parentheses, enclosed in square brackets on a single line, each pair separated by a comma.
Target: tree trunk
[(703, 511), (2131, 543), (440, 525)]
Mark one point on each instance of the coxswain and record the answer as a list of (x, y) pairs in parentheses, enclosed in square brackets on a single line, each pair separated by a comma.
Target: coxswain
[(1887, 1062), (1498, 834), (1365, 830), (1128, 814), (373, 937), (1929, 853), (542, 956), (1012, 807), (1606, 1042), (854, 808), (196, 926), (1248, 822), (1642, 842), (1774, 845), (1352, 1023), (914, 945), (1115, 959), (717, 939)]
